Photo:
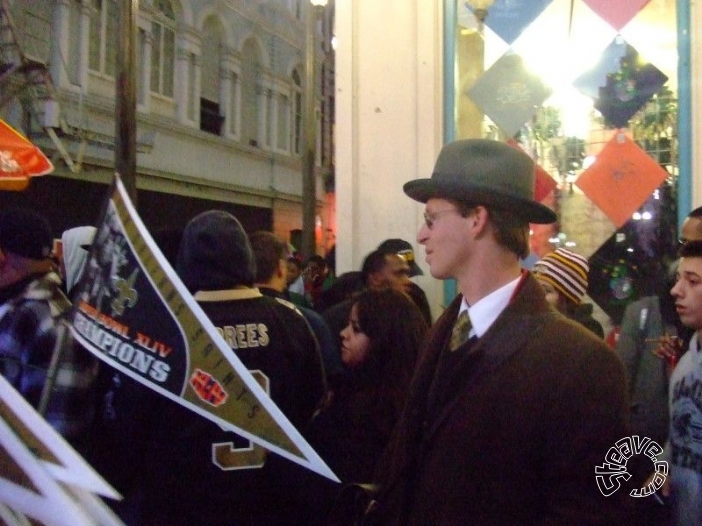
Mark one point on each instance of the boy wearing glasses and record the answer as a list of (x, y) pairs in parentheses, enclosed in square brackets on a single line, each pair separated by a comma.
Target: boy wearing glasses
[(512, 405)]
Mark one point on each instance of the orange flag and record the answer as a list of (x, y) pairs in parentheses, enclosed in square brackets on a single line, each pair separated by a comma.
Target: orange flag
[(19, 158), (620, 180)]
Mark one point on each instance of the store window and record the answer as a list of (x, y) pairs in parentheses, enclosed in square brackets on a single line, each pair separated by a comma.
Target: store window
[(589, 90)]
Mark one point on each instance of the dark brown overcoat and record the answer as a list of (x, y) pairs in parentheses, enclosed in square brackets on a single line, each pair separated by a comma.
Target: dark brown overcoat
[(528, 414)]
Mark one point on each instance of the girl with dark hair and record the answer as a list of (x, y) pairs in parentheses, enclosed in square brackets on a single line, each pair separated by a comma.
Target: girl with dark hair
[(379, 347)]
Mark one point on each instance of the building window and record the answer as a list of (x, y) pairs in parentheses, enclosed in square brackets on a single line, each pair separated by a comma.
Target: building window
[(211, 118), (250, 109), (270, 117), (191, 104), (163, 50), (283, 123), (102, 47), (297, 112), (296, 8), (74, 43), (141, 45), (234, 105)]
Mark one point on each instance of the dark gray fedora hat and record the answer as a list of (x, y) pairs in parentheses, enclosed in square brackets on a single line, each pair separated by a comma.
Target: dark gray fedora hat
[(484, 172)]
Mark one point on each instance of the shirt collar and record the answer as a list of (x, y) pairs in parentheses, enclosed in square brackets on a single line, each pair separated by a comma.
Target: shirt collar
[(240, 293), (486, 310)]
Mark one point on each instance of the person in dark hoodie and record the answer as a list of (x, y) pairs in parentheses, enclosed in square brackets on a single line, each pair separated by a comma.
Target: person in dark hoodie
[(190, 470), (563, 275)]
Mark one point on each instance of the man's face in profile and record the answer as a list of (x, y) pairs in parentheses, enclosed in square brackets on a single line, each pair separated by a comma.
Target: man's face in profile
[(395, 274)]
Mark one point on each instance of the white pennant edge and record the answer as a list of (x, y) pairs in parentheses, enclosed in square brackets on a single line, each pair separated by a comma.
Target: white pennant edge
[(73, 468)]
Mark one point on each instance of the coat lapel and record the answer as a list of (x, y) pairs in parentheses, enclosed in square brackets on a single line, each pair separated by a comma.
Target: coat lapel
[(510, 332)]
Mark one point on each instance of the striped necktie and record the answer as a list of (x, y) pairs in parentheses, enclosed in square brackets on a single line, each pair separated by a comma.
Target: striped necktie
[(461, 330)]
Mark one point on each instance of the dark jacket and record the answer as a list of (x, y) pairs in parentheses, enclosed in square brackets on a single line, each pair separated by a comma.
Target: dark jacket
[(32, 314), (331, 357), (646, 373), (529, 413), (583, 315), (213, 476)]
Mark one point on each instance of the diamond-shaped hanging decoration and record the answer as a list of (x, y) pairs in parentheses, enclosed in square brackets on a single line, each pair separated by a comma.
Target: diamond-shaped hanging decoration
[(617, 14), (621, 83), (626, 92), (621, 178), (544, 184), (509, 18), (508, 93), (615, 277)]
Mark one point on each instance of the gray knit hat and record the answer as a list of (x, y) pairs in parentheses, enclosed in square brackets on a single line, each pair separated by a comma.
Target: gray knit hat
[(484, 172), (215, 253)]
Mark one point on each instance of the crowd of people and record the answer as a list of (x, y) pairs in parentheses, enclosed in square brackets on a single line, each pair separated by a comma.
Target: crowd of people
[(497, 412)]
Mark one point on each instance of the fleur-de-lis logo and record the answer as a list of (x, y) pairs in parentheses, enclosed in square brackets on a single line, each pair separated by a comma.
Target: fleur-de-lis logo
[(126, 293)]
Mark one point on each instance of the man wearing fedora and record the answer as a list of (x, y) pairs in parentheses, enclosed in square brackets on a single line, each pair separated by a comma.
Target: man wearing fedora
[(512, 405)]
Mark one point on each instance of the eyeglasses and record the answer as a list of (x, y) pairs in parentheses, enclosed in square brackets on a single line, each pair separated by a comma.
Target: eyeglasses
[(429, 219)]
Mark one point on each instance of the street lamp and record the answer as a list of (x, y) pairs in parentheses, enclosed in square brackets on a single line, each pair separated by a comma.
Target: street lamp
[(309, 194)]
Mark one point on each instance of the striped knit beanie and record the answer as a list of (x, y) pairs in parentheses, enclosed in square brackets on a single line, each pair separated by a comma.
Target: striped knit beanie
[(566, 271)]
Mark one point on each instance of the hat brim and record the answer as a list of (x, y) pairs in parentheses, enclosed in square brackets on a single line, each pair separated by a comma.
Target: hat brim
[(415, 270), (424, 189)]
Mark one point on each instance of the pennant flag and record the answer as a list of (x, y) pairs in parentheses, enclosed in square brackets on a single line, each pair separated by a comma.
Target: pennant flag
[(50, 448), (508, 93), (133, 312), (617, 14), (28, 489), (621, 178), (19, 158), (40, 474)]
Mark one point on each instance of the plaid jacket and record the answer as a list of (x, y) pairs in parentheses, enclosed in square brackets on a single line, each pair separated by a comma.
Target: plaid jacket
[(31, 323)]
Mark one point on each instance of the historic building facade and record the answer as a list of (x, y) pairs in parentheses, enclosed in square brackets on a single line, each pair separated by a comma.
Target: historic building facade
[(219, 119)]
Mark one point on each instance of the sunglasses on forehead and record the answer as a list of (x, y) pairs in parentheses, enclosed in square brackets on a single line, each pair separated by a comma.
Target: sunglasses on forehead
[(408, 254)]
